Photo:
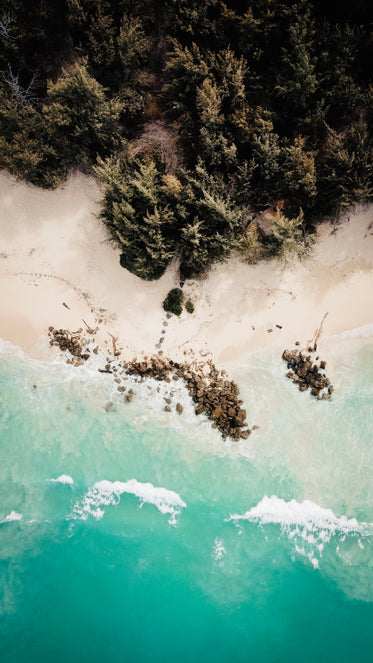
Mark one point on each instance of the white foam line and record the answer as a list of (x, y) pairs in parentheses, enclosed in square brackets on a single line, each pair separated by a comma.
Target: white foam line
[(358, 332), (105, 493)]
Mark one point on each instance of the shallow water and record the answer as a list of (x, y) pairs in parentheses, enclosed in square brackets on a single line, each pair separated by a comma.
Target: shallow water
[(136, 535)]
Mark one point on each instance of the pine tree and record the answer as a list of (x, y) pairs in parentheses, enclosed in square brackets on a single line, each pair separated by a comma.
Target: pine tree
[(137, 212), (285, 237), (296, 79), (134, 48), (24, 146), (299, 173), (81, 122), (346, 169)]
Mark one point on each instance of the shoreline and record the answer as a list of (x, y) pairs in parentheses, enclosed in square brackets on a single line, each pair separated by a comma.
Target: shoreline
[(57, 267)]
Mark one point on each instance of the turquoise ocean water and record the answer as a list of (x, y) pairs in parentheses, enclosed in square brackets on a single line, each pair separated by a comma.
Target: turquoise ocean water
[(138, 535)]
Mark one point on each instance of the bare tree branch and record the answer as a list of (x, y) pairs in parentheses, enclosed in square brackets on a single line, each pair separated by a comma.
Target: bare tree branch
[(23, 95), (6, 21)]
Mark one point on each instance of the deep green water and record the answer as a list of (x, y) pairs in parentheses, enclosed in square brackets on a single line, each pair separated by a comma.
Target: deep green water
[(99, 566)]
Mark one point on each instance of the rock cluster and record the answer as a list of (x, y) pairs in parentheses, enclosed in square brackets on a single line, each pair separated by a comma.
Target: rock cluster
[(211, 392), (71, 341), (308, 375), (213, 395)]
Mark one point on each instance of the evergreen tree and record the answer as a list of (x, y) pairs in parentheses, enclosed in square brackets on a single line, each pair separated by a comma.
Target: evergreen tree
[(81, 122), (299, 174), (214, 223), (296, 78), (24, 147), (137, 214), (285, 236), (346, 168)]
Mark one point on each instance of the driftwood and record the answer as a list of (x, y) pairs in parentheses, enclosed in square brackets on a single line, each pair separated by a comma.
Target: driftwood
[(114, 342), (312, 345), (89, 329)]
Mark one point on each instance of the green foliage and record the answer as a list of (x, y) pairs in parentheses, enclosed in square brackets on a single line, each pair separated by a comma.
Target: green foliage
[(137, 211), (133, 47), (24, 147), (296, 78), (346, 167), (81, 123), (213, 223), (173, 301), (285, 236), (189, 306), (299, 174)]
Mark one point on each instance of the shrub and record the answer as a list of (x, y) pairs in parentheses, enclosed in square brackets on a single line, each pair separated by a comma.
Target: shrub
[(189, 306), (173, 301)]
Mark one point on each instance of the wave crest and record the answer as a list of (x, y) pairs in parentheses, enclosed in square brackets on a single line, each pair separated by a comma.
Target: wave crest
[(105, 493), (310, 525), (13, 515), (63, 478)]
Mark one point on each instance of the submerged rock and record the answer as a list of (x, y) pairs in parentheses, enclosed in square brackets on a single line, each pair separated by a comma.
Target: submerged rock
[(306, 374)]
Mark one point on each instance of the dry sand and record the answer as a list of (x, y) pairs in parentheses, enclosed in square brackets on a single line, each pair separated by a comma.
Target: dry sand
[(55, 251)]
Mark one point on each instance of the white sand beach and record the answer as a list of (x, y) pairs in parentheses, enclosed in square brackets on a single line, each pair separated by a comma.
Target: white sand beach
[(57, 267)]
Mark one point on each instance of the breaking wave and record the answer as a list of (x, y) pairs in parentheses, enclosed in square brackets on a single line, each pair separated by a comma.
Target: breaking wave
[(105, 493), (13, 515), (63, 478), (308, 524)]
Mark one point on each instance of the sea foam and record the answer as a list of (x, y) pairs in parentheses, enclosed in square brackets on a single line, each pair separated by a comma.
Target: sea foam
[(13, 515), (310, 525), (218, 549), (63, 478), (105, 493), (366, 331)]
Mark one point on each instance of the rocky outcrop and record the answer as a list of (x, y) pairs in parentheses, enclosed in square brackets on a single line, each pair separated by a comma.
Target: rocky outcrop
[(306, 374), (70, 341), (212, 393)]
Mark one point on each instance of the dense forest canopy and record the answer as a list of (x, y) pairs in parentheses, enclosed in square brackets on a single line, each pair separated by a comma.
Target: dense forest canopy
[(195, 115)]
